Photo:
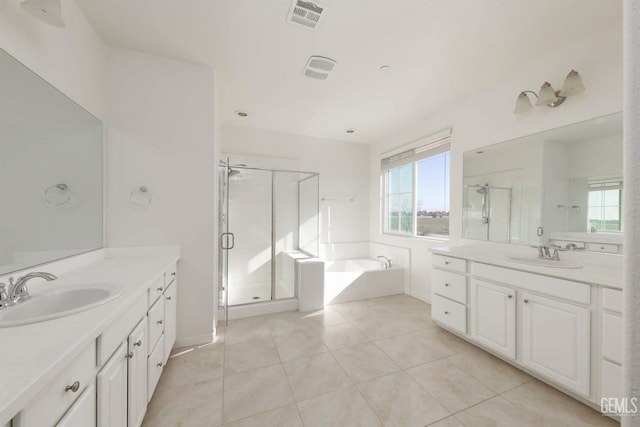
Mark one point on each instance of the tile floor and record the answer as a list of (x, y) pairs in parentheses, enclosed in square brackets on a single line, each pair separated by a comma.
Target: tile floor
[(366, 363)]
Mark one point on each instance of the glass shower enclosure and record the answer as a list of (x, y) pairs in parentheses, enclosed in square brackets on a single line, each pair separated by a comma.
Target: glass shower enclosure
[(487, 213), (264, 217)]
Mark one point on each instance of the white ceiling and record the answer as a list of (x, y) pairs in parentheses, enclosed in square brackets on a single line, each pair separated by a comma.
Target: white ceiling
[(440, 52)]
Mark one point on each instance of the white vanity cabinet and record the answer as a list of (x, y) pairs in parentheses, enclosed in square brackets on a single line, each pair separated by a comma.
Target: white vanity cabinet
[(62, 393), (612, 343), (137, 374), (449, 286), (556, 340), (112, 390), (83, 412), (493, 316)]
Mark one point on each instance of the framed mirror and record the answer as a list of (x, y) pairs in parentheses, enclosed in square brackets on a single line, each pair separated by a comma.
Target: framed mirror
[(50, 170), (562, 186)]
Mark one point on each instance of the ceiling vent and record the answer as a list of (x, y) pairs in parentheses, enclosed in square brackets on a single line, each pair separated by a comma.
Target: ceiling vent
[(305, 13), (319, 67)]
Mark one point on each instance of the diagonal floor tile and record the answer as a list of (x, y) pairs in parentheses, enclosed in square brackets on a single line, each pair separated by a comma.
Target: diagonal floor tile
[(315, 375), (193, 365), (399, 401), (495, 412), (248, 355), (286, 416), (364, 361), (252, 392), (343, 335), (410, 350), (300, 344), (453, 388), (345, 407)]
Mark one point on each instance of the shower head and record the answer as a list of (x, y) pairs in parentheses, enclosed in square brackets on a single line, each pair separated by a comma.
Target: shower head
[(482, 189), (47, 11)]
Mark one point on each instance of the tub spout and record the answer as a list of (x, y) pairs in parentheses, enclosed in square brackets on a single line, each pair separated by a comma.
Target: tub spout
[(386, 261)]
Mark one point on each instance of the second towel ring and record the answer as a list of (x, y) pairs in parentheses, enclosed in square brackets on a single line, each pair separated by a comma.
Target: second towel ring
[(57, 194), (140, 197)]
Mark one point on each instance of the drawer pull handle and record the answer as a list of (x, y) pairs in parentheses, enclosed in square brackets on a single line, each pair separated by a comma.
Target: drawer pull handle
[(526, 301), (73, 387), (168, 298), (159, 365), (509, 296), (446, 313), (159, 322), (138, 343), (446, 284), (159, 289), (173, 274), (447, 262), (129, 355)]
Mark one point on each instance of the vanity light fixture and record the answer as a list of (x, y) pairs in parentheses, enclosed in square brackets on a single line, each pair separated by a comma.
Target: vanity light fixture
[(548, 95)]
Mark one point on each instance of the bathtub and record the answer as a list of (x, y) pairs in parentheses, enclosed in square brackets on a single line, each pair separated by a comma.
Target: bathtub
[(357, 279)]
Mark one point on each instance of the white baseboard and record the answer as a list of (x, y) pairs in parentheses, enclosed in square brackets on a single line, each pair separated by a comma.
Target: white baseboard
[(190, 341), (259, 309)]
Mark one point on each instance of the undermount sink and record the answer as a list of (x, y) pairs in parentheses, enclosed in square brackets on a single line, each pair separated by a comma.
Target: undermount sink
[(542, 262), (59, 302)]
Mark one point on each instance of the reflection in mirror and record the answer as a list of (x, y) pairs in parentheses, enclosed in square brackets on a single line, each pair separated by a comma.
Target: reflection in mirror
[(567, 181), (50, 169)]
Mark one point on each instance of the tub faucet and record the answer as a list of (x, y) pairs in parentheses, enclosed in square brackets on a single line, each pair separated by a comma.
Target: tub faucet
[(18, 290), (386, 261)]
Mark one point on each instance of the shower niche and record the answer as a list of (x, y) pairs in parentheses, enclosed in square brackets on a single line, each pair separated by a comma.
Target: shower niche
[(267, 219)]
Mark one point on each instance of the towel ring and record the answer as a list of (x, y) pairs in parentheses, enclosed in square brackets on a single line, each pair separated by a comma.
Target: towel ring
[(57, 194), (140, 197)]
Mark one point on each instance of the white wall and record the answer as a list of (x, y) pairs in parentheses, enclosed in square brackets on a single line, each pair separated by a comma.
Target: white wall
[(343, 169), (161, 134), (486, 118), (73, 59)]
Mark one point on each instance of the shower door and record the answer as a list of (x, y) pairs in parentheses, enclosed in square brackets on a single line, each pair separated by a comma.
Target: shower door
[(226, 239)]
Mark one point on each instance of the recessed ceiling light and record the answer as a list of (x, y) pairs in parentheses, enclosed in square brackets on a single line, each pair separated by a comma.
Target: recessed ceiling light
[(350, 130), (385, 68), (241, 113)]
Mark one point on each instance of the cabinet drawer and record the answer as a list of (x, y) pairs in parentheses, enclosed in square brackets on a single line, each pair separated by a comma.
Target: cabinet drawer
[(449, 263), (170, 302), (611, 380), (155, 290), (450, 285), (612, 337), (83, 412), (602, 247), (156, 323), (449, 313), (55, 399), (155, 364), (612, 300)]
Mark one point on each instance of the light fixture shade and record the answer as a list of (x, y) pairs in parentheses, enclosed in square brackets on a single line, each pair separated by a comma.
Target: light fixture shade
[(48, 11), (547, 95), (572, 84), (523, 104)]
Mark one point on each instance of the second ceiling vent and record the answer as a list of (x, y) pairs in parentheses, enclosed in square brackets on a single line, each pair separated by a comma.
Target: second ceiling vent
[(319, 67), (305, 13)]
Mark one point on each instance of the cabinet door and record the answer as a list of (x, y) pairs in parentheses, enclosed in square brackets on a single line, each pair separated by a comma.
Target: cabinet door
[(112, 390), (493, 316), (83, 411), (556, 341), (170, 302), (137, 368)]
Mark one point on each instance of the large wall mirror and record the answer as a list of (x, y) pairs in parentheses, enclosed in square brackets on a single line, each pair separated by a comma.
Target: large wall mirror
[(50, 172), (562, 186)]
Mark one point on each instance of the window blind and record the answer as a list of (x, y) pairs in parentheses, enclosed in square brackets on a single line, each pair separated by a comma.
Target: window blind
[(423, 148)]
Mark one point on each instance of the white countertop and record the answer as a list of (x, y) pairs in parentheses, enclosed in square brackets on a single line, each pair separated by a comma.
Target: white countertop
[(597, 269), (32, 355)]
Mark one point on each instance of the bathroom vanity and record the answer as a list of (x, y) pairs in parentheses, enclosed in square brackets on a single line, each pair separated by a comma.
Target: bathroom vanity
[(562, 325), (100, 366)]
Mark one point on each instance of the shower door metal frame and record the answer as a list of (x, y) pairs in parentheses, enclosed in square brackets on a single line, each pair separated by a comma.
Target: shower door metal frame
[(273, 225)]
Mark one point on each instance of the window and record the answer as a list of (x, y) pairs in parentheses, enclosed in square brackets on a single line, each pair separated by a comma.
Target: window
[(415, 190), (605, 205)]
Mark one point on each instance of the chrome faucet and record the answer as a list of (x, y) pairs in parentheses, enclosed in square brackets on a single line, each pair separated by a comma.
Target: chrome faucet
[(386, 262), (18, 291)]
